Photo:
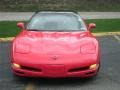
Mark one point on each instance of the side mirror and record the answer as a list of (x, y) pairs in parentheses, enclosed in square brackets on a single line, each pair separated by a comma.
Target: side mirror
[(21, 25), (91, 25)]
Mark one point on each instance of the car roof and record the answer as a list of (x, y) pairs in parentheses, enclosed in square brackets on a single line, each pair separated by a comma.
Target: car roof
[(58, 11)]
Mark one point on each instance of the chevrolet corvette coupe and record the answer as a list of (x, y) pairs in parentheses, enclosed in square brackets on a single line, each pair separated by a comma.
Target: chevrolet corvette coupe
[(55, 44)]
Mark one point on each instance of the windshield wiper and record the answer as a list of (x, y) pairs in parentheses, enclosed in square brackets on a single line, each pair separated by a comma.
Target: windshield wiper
[(45, 30), (55, 30), (34, 30)]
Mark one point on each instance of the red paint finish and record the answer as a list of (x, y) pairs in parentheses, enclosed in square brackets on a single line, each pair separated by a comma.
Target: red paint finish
[(55, 54)]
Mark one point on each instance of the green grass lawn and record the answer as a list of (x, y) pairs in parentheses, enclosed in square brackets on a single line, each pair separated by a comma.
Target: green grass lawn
[(106, 25), (9, 28)]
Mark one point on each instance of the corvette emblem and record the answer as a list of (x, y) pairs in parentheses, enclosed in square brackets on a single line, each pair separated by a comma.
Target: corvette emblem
[(55, 57)]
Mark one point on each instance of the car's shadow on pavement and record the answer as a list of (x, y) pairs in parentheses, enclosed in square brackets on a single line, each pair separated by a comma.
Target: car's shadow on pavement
[(65, 81), (56, 81)]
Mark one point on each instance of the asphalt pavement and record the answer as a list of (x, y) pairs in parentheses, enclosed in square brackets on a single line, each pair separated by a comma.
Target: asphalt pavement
[(20, 16), (107, 79)]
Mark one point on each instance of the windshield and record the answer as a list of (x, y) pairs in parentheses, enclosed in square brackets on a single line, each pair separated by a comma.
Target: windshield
[(56, 22)]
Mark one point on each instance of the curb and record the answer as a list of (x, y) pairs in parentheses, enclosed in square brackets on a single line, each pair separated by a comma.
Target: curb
[(106, 34), (6, 39), (95, 34)]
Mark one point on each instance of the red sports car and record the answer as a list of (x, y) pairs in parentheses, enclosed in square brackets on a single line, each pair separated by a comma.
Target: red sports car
[(55, 44)]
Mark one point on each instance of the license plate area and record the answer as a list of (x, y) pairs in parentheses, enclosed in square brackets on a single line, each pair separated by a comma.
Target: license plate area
[(54, 69)]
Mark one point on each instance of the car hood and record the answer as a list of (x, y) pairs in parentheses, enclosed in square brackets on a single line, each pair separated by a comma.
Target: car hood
[(52, 42)]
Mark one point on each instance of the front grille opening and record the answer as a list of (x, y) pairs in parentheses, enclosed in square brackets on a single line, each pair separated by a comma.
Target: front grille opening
[(19, 72), (31, 69), (79, 69), (89, 73)]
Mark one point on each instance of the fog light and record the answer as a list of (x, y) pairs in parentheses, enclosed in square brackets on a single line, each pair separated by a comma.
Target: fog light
[(93, 66), (16, 66)]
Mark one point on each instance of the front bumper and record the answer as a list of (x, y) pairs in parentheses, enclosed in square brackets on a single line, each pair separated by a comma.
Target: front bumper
[(65, 66), (56, 71)]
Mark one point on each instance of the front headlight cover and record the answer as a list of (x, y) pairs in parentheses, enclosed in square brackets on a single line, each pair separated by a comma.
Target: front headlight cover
[(22, 48), (88, 48)]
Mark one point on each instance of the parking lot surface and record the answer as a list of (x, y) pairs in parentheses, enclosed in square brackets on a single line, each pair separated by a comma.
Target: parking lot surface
[(107, 79)]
